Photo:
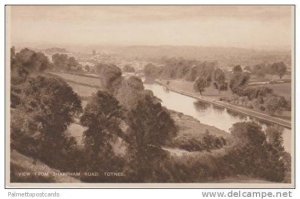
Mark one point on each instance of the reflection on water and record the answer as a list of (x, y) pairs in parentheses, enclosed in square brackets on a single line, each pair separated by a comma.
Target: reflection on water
[(236, 114), (219, 108), (201, 106), (206, 113)]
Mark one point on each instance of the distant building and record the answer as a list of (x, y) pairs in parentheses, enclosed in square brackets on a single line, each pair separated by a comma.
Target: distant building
[(94, 52)]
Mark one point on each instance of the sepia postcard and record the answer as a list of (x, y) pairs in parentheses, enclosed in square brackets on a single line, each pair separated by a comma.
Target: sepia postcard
[(140, 96)]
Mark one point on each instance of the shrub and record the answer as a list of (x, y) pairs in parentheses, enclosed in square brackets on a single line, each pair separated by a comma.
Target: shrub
[(206, 142), (39, 122), (255, 151), (275, 104), (129, 69)]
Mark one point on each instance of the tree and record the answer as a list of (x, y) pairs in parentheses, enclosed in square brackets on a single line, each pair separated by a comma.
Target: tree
[(48, 106), (60, 61), (152, 71), (238, 81), (72, 64), (277, 155), (204, 69), (219, 77), (252, 154), (151, 123), (102, 116), (274, 137), (279, 68), (135, 83), (87, 68), (151, 126), (248, 133), (200, 84), (237, 69), (147, 128), (257, 92), (110, 76), (275, 104), (25, 63), (259, 70), (128, 68)]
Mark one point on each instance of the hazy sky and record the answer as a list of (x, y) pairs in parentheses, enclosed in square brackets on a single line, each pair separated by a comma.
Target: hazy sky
[(234, 26)]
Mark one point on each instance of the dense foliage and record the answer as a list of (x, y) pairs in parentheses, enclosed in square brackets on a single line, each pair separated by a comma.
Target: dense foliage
[(255, 151), (207, 142), (220, 80), (128, 68), (102, 117), (127, 129), (39, 122), (62, 62), (180, 69), (200, 84), (24, 64), (277, 68), (238, 81)]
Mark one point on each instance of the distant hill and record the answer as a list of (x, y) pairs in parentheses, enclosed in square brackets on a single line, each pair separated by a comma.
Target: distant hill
[(223, 55), (55, 50)]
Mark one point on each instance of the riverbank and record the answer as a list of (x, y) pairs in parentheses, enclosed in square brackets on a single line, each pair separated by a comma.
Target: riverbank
[(189, 128), (186, 88), (191, 131), (213, 99), (80, 84)]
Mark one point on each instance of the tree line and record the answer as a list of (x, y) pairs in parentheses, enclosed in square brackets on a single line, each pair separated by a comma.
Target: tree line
[(207, 74), (124, 114)]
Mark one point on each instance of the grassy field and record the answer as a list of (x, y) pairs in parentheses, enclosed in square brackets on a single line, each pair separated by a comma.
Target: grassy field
[(283, 89), (187, 86), (84, 91), (269, 77), (80, 79)]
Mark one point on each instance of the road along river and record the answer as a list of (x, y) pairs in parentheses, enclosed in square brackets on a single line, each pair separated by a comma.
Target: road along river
[(207, 113)]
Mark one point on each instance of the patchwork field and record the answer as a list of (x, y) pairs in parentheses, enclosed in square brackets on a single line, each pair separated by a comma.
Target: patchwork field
[(92, 81)]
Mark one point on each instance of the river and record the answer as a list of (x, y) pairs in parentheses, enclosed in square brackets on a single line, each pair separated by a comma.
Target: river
[(207, 113)]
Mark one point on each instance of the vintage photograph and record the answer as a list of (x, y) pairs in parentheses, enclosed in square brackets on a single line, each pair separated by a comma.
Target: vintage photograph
[(185, 96)]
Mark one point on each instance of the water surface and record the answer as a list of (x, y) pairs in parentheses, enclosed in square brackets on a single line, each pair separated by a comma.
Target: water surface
[(207, 113)]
